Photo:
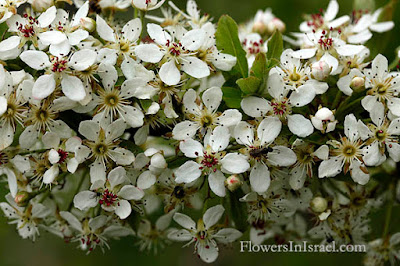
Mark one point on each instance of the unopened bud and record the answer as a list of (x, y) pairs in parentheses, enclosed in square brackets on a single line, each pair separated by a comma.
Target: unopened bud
[(324, 120), (22, 198), (233, 182), (320, 70), (259, 27), (319, 204), (276, 24), (41, 5), (357, 83), (88, 24)]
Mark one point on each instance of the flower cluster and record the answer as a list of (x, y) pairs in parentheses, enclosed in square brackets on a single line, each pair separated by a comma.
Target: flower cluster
[(105, 124)]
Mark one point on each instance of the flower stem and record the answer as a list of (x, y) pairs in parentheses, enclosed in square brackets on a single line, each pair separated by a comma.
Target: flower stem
[(142, 15)]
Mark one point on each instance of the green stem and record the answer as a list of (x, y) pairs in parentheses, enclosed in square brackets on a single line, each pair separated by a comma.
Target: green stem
[(337, 99), (388, 212), (30, 152), (142, 15)]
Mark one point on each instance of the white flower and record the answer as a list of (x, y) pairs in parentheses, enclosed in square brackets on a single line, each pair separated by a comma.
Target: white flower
[(297, 75), (26, 218), (95, 231), (12, 109), (347, 153), (59, 155), (383, 135), (210, 159), (59, 70), (63, 34), (259, 151), (383, 86), (114, 5), (26, 28), (102, 146), (203, 234), (113, 102), (326, 20), (324, 120), (281, 106), (110, 193), (122, 43), (204, 116), (192, 15), (8, 8), (174, 55), (147, 5), (253, 44), (324, 46)]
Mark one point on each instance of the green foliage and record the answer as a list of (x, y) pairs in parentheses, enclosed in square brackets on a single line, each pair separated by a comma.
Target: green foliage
[(227, 40), (237, 209), (232, 96), (275, 46)]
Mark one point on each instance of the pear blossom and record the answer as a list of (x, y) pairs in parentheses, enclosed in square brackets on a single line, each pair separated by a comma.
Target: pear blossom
[(110, 193), (59, 71), (382, 135), (174, 55), (260, 151), (210, 159), (64, 34), (382, 86), (347, 154), (147, 5), (204, 116), (8, 8), (280, 107), (324, 120), (204, 235)]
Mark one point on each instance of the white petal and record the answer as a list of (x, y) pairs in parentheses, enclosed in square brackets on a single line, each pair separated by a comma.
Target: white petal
[(117, 176), (52, 37), (303, 96), (195, 67), (43, 87), (216, 180), (255, 106), (89, 129), (212, 97), (132, 29), (244, 133), (357, 174), (149, 53), (394, 151), (260, 178), (276, 86), (146, 180), (130, 192), (187, 172), (50, 174), (219, 138), (35, 59), (158, 34), (350, 127), (300, 126), (331, 10), (282, 156), (77, 36), (123, 209), (193, 39), (104, 30), (82, 59), (73, 88), (85, 200), (330, 168), (169, 73), (234, 163), (382, 26), (372, 154), (72, 220), (133, 116), (394, 106), (394, 127), (184, 130), (212, 216), (269, 130), (229, 118), (349, 49), (209, 254), (304, 53), (191, 148), (47, 17), (227, 235), (185, 221)]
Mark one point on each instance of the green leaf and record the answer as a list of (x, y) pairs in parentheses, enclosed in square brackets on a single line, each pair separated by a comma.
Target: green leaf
[(249, 85), (3, 29), (227, 40), (275, 46), (259, 68), (232, 96)]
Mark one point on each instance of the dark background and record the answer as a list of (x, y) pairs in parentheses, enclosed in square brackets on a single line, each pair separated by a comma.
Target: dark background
[(49, 250)]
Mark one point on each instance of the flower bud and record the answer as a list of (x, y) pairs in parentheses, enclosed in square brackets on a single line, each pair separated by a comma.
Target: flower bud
[(233, 182), (320, 70), (259, 27), (88, 24), (22, 198), (324, 120), (54, 156), (319, 204), (357, 83), (41, 5), (276, 24)]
